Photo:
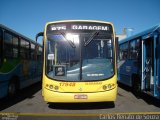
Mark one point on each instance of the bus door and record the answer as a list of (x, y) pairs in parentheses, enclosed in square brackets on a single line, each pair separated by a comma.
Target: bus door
[(149, 64)]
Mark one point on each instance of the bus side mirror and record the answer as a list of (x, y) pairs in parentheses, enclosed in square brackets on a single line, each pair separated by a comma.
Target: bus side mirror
[(39, 34)]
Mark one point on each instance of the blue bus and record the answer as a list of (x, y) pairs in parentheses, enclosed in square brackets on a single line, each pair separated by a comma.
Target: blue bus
[(139, 61), (20, 61)]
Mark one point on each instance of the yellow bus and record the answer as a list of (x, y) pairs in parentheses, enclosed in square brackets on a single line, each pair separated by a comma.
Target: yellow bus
[(79, 61)]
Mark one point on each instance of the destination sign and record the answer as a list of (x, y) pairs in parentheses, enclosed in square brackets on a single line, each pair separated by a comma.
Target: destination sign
[(80, 27), (75, 26), (85, 27)]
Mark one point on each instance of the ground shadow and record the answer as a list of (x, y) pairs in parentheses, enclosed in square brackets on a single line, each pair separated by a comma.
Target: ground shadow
[(147, 98), (82, 106), (150, 99), (125, 87), (20, 96)]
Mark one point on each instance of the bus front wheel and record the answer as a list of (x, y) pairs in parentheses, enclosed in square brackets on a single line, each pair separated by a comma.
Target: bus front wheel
[(136, 85)]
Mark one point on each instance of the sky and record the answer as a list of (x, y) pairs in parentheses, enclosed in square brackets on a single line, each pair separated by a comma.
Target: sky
[(29, 17)]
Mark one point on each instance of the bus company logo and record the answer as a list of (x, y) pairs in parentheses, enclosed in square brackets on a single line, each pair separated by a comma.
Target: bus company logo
[(80, 89)]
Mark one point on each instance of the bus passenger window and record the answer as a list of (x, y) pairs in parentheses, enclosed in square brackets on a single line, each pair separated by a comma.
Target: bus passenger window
[(134, 49), (27, 50), (24, 49), (8, 45), (39, 53), (123, 51), (15, 47), (32, 51), (1, 46)]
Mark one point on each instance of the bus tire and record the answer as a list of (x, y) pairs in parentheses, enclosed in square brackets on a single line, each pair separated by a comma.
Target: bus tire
[(12, 88), (136, 85)]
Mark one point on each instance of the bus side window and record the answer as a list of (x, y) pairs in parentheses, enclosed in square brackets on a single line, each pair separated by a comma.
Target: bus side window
[(123, 49), (39, 53), (134, 49), (32, 51), (1, 42), (8, 45), (24, 49), (15, 47), (27, 52)]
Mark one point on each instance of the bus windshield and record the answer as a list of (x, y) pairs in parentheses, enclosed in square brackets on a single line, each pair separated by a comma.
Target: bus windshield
[(90, 59)]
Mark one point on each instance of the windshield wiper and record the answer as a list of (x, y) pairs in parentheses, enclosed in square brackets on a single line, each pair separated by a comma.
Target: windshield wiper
[(69, 41), (91, 38)]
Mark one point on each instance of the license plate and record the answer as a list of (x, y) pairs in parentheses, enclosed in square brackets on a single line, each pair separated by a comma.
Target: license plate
[(80, 96)]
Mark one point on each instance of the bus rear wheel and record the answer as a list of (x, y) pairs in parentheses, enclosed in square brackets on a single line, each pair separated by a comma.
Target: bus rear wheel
[(12, 89), (136, 85)]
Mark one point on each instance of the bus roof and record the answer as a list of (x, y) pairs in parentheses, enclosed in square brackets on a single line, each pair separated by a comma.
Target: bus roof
[(149, 31), (14, 32), (79, 21)]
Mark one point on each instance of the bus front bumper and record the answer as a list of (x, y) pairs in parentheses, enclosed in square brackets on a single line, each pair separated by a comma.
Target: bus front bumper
[(58, 97)]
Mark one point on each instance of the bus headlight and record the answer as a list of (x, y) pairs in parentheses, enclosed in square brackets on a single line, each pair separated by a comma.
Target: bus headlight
[(108, 86), (104, 87), (51, 86)]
